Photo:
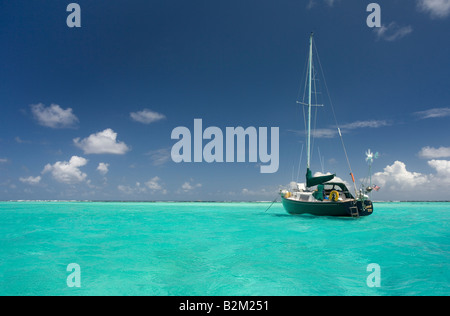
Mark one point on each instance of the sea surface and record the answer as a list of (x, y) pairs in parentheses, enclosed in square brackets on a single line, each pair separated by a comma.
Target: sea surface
[(221, 249)]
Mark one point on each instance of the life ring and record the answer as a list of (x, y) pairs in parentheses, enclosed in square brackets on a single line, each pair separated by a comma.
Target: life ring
[(334, 196)]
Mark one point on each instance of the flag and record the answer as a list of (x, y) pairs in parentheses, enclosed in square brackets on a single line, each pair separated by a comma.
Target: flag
[(376, 187)]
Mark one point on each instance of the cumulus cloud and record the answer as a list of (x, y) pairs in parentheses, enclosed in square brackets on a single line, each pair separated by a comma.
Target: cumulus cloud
[(103, 168), (397, 182), (67, 172), (397, 177), (267, 193), (392, 31), (436, 8), (187, 186), (442, 168), (146, 116), (258, 192), (104, 142), (153, 185), (431, 152), (129, 190), (54, 116), (31, 180)]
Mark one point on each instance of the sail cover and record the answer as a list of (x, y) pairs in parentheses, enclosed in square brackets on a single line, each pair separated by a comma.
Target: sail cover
[(313, 181)]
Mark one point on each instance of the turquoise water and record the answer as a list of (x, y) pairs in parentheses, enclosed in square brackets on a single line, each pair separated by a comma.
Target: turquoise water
[(221, 249)]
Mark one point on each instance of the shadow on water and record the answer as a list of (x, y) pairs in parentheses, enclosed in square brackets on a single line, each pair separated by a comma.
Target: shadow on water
[(313, 217), (307, 216)]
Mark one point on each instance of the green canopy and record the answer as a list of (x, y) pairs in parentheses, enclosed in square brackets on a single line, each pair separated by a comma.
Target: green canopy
[(313, 181)]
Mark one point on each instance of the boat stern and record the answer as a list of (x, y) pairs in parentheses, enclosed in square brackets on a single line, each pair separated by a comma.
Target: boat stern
[(365, 207)]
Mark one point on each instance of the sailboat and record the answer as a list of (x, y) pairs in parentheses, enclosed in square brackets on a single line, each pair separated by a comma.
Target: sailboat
[(320, 195)]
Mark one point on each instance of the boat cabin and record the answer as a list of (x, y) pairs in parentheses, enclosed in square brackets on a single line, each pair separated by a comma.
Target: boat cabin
[(321, 192)]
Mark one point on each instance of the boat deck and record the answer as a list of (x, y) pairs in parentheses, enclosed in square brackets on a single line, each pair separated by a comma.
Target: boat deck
[(308, 197)]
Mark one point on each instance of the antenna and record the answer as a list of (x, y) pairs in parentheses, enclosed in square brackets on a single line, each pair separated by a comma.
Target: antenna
[(370, 156)]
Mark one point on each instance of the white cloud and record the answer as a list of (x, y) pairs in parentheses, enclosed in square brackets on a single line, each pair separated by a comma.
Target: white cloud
[(67, 172), (258, 192), (433, 113), (397, 177), (159, 156), (332, 161), (268, 193), (365, 124), (313, 3), (318, 132), (31, 180), (146, 116), (392, 32), (442, 168), (187, 186), (436, 8), (21, 141), (53, 116), (398, 183), (103, 168), (324, 133), (104, 142), (333, 132), (3, 160), (153, 184), (430, 152), (131, 190)]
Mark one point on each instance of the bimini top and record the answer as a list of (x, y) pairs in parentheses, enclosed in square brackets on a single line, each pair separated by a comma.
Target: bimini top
[(342, 186), (313, 181)]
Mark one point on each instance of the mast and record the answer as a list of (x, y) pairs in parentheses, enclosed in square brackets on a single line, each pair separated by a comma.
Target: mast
[(308, 163), (311, 181)]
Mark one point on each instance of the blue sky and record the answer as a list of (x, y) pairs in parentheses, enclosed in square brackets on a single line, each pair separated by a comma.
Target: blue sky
[(87, 113)]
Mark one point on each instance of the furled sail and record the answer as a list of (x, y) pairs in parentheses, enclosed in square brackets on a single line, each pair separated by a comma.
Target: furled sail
[(313, 181)]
